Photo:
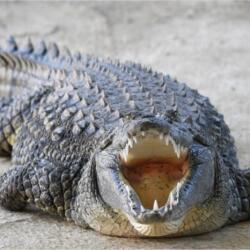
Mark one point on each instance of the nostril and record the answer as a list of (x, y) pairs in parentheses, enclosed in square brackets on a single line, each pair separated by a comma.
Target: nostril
[(147, 125), (149, 116)]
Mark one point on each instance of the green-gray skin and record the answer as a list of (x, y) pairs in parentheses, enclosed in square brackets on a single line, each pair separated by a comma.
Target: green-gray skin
[(64, 119)]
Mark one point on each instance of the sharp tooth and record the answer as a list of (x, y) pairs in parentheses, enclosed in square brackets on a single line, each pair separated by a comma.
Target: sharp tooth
[(167, 139), (175, 202), (127, 189), (166, 209), (171, 200), (178, 188), (171, 197), (178, 151), (135, 139), (142, 209), (156, 206), (174, 146), (184, 150), (172, 141), (130, 143), (124, 156), (161, 136), (126, 149)]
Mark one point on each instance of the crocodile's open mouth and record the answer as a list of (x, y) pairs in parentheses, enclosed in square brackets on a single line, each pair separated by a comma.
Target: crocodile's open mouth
[(153, 164)]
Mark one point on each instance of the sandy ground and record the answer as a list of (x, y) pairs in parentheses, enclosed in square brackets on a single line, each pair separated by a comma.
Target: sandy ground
[(205, 44)]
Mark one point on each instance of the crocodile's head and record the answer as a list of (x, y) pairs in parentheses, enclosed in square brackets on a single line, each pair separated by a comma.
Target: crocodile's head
[(153, 180)]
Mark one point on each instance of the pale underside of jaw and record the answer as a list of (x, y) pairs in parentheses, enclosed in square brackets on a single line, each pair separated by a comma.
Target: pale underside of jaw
[(157, 229), (154, 166)]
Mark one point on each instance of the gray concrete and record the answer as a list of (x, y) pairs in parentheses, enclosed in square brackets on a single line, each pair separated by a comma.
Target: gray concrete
[(205, 44)]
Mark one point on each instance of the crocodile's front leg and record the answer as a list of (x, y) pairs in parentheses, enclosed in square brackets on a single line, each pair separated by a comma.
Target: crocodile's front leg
[(240, 183), (48, 187)]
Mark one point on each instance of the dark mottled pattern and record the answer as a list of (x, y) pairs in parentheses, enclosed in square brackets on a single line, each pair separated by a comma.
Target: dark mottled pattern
[(55, 105)]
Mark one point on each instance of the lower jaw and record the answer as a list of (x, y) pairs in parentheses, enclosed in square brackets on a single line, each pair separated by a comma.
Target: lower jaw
[(162, 229), (123, 225), (114, 222)]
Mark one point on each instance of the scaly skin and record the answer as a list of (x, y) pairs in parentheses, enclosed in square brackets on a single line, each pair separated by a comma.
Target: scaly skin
[(64, 120)]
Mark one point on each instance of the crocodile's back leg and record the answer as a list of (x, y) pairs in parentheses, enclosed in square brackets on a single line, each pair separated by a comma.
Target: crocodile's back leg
[(13, 111)]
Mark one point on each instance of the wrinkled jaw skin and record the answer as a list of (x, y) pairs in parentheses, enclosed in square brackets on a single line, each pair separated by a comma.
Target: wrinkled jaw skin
[(154, 181)]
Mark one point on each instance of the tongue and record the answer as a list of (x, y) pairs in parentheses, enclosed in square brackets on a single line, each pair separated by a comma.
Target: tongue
[(153, 180)]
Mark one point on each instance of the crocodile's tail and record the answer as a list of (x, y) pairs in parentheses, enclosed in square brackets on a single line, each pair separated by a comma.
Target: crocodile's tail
[(23, 67), (18, 75), (22, 74), (18, 72)]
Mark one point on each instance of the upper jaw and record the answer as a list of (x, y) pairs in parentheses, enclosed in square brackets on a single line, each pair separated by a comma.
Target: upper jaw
[(134, 138)]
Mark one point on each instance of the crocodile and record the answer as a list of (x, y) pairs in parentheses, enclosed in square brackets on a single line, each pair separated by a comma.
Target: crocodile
[(114, 146)]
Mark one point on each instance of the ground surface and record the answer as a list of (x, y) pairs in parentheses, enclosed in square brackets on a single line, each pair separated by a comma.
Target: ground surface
[(203, 44)]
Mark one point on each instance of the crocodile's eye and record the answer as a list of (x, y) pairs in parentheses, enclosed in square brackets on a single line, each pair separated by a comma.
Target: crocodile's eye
[(153, 165)]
